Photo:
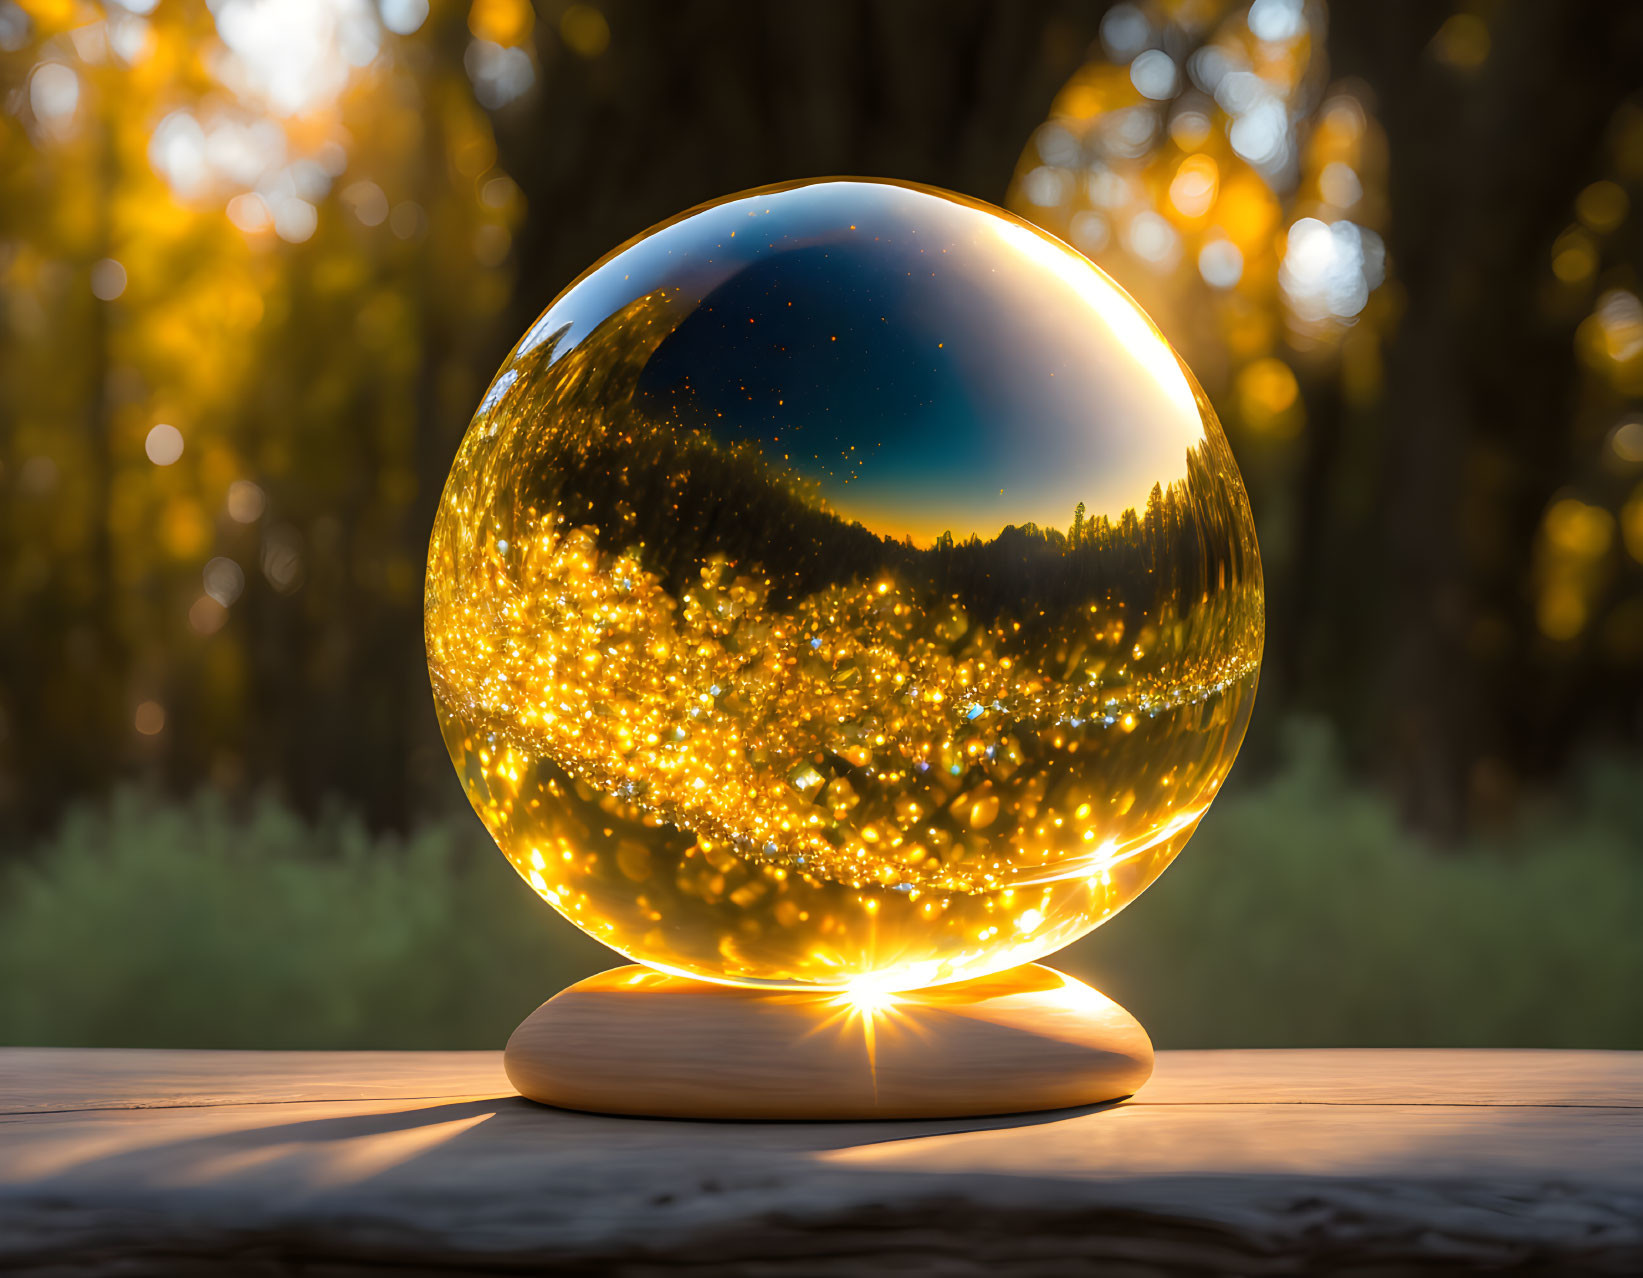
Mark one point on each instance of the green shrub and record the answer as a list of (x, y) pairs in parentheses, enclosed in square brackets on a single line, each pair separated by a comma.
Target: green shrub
[(141, 924), (1301, 914)]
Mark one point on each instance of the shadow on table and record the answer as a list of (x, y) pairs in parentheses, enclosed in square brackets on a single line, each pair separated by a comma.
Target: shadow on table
[(330, 1152)]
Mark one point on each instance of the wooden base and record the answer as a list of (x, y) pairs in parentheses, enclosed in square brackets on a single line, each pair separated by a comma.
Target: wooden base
[(637, 1041)]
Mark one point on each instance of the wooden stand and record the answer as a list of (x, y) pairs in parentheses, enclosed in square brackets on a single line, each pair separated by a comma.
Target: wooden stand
[(636, 1041)]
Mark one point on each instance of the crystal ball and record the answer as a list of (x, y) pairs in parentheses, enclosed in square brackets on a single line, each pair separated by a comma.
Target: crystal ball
[(842, 585)]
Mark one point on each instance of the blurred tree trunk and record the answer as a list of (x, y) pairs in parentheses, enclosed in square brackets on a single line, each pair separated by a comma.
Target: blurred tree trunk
[(696, 101), (1474, 422)]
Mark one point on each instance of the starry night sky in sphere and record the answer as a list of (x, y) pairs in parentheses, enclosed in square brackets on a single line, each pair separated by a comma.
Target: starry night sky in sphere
[(929, 363), (827, 355)]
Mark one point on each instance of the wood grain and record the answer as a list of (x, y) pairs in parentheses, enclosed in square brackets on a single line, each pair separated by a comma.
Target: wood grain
[(636, 1041), (1269, 1162)]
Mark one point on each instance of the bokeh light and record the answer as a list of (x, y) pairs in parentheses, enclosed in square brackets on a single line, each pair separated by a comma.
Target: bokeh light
[(1202, 157), (246, 501), (108, 280), (149, 719), (163, 444)]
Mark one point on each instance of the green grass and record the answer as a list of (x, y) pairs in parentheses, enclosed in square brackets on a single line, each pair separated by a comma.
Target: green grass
[(1301, 914)]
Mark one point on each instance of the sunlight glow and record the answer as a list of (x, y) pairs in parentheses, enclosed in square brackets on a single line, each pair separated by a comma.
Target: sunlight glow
[(271, 152), (294, 55), (867, 998)]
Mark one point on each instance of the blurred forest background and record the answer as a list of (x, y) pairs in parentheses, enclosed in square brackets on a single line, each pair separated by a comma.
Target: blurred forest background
[(259, 258)]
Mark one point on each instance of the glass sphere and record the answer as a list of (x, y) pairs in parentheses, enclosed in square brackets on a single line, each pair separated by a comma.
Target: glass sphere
[(843, 585)]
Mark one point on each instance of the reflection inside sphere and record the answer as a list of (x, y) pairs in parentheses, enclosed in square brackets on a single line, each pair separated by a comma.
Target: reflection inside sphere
[(843, 584)]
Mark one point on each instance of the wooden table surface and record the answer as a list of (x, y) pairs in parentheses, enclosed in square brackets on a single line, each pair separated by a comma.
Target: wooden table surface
[(1245, 1162)]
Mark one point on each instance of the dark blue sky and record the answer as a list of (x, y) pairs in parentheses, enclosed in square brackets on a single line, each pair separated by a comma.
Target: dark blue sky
[(827, 354)]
